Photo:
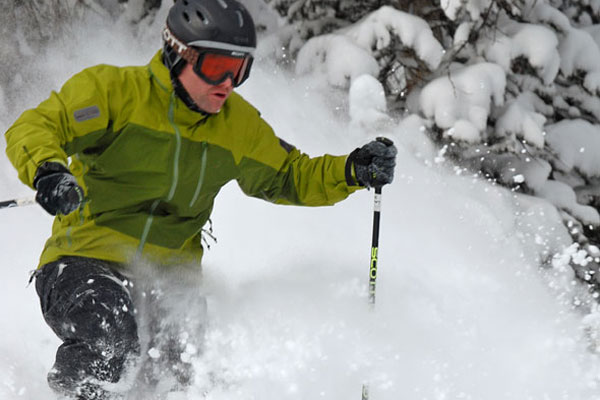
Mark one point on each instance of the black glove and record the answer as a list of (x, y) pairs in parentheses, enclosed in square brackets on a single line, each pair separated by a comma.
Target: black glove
[(57, 189), (373, 164)]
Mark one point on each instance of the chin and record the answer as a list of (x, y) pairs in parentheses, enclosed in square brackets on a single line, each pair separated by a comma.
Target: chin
[(213, 111), (210, 108)]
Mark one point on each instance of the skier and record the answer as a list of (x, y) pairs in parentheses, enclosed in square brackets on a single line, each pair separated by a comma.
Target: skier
[(149, 149)]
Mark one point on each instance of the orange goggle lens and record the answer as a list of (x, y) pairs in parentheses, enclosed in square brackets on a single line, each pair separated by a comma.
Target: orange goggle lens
[(215, 68)]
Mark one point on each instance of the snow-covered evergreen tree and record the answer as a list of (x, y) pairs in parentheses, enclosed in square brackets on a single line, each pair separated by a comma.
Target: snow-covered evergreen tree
[(506, 88)]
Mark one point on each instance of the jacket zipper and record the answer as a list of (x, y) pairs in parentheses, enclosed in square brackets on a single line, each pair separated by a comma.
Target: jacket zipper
[(202, 172), (174, 182)]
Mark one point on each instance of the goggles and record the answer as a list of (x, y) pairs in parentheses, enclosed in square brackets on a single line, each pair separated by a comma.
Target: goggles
[(212, 61), (215, 67)]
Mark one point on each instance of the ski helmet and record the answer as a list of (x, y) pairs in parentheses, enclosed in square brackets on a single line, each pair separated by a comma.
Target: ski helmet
[(220, 25)]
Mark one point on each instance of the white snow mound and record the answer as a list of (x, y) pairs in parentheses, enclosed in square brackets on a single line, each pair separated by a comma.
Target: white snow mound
[(348, 53), (460, 102), (337, 57), (576, 142), (562, 196), (367, 101), (474, 7), (521, 119), (538, 44), (376, 30)]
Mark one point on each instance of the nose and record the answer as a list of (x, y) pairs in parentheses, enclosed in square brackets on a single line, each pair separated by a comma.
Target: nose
[(227, 84)]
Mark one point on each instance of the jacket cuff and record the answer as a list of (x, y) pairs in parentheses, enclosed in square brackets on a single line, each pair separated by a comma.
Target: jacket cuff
[(349, 169)]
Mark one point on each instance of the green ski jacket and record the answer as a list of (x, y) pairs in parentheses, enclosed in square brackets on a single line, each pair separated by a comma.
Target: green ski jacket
[(151, 168)]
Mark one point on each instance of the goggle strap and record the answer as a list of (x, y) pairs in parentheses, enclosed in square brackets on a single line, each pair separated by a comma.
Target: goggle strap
[(186, 52)]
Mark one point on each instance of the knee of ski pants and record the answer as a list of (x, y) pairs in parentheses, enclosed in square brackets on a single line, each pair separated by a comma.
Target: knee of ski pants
[(86, 300)]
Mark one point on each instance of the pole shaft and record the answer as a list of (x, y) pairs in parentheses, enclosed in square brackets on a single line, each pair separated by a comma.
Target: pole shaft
[(374, 251), (374, 245), (373, 264), (365, 392), (16, 203), (8, 204)]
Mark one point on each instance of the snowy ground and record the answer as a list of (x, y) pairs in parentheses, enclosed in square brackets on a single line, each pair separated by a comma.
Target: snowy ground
[(463, 312)]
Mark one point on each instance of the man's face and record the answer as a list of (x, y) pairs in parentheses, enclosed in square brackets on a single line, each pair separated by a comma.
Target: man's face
[(209, 98)]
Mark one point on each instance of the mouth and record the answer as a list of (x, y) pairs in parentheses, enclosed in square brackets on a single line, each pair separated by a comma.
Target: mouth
[(220, 95)]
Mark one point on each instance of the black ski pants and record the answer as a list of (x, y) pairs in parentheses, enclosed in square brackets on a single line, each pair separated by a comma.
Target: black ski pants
[(88, 304)]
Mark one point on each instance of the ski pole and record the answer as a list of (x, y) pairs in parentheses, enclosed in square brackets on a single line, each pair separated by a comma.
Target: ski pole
[(17, 202), (374, 246), (374, 251), (373, 264)]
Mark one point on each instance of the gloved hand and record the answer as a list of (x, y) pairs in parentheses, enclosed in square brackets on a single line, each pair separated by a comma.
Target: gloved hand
[(373, 163), (57, 189)]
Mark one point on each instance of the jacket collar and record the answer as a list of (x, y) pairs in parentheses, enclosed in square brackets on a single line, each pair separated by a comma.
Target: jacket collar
[(182, 115)]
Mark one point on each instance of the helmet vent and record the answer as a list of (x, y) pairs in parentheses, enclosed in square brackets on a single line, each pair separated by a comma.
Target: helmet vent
[(202, 17), (240, 18), (185, 3), (186, 16)]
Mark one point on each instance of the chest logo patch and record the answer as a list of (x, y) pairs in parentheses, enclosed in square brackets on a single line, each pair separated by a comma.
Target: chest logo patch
[(86, 114)]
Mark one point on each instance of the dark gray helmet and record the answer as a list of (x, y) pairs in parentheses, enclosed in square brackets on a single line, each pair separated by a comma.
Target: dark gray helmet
[(217, 24)]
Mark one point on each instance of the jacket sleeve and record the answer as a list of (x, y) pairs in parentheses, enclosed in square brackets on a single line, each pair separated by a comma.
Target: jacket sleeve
[(278, 172), (49, 131)]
